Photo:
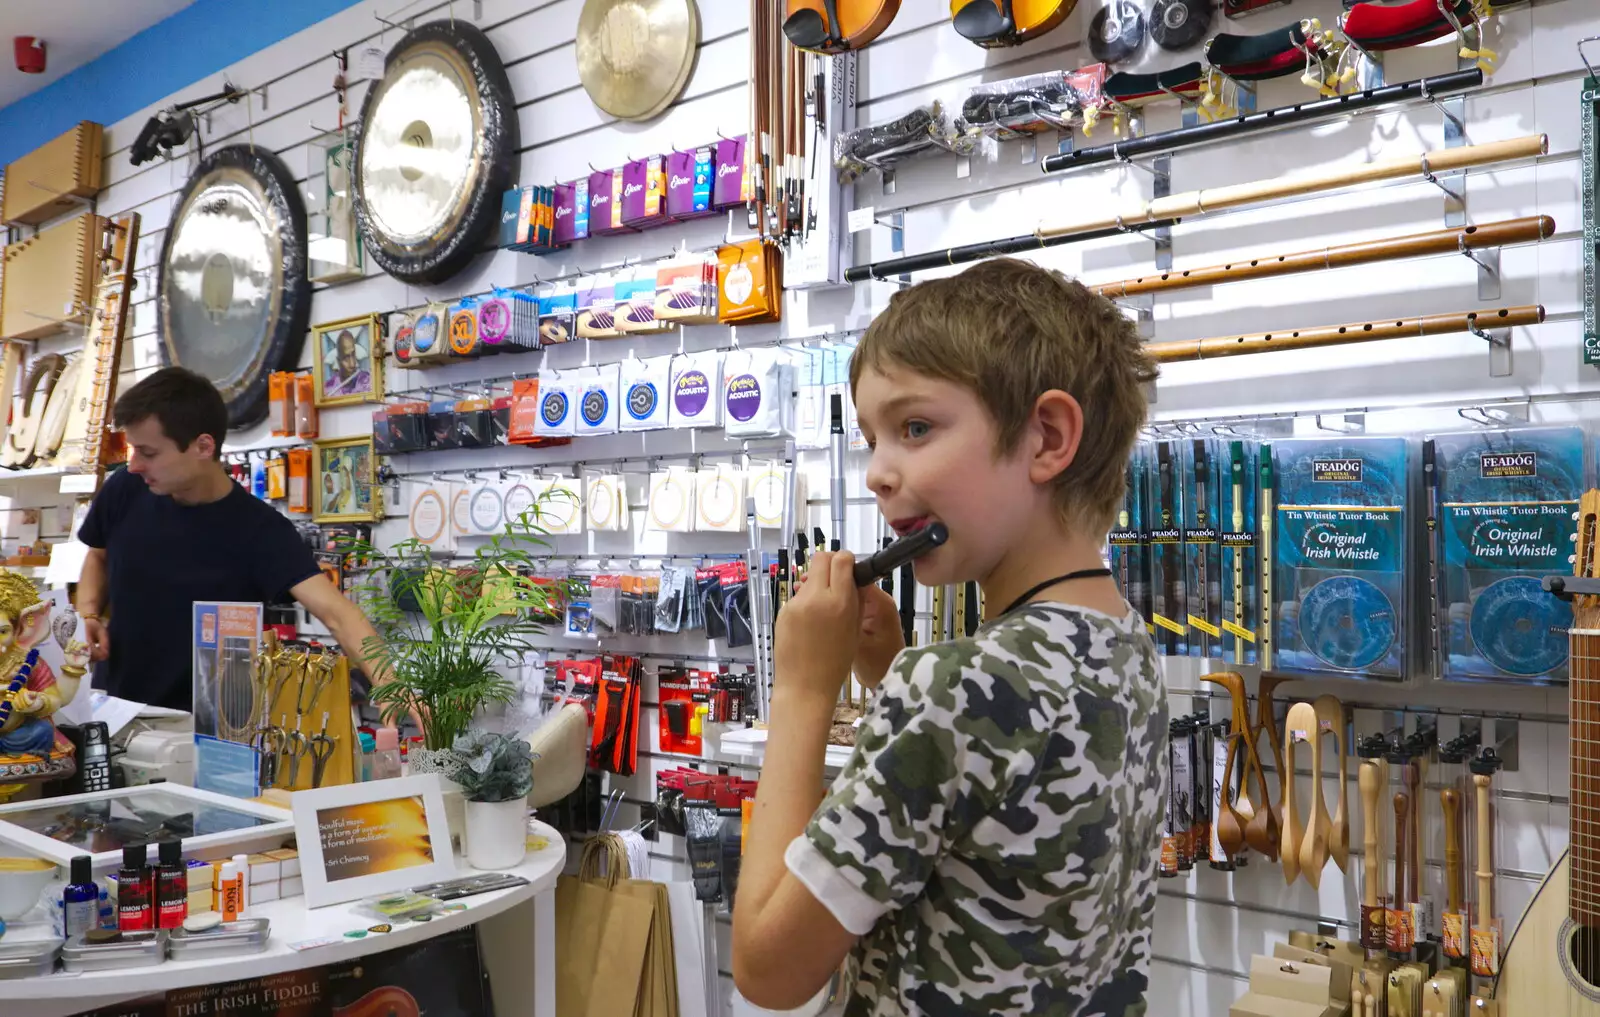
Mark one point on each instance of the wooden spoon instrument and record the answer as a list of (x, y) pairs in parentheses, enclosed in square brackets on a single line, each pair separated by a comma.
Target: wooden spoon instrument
[(1301, 726), (1264, 831), (1314, 845), (1330, 718), (1374, 918), (1231, 819)]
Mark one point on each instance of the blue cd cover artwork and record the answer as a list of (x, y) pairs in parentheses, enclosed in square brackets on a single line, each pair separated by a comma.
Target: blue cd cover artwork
[(1339, 549), (1504, 501)]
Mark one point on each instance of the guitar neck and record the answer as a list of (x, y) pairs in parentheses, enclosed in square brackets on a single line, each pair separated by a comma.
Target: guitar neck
[(1584, 745)]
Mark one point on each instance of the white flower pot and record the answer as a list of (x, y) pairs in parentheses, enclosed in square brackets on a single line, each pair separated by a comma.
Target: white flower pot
[(497, 834)]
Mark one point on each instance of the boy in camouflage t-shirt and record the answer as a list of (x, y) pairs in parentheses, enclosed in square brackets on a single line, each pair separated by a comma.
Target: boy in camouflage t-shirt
[(990, 847)]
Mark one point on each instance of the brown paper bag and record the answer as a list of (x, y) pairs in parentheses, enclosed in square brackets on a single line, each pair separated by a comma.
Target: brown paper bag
[(658, 991), (604, 934)]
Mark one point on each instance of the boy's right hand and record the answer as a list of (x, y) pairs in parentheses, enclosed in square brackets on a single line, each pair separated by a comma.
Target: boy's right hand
[(881, 638)]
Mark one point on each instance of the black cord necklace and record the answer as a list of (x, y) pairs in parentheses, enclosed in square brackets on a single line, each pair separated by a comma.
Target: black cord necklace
[(1041, 587)]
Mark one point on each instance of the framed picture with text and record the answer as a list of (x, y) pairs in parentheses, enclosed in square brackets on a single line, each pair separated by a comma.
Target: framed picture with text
[(347, 361), (375, 837)]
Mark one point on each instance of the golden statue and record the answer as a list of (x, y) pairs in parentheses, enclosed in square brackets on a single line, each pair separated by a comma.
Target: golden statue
[(30, 746)]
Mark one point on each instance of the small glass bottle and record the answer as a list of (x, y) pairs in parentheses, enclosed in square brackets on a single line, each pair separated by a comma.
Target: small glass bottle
[(80, 900), (134, 910), (386, 760), (172, 887)]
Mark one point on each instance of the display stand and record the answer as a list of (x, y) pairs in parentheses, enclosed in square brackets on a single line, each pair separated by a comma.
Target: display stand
[(518, 924)]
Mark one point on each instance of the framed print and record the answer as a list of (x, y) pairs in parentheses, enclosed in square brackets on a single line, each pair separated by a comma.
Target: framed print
[(347, 361), (344, 482), (375, 837)]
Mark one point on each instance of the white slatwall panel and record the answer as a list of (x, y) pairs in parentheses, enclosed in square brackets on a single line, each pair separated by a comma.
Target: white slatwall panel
[(1209, 923)]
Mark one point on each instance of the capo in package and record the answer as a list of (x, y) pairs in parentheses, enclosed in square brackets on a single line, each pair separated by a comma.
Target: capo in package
[(404, 427), (1202, 550), (1500, 509), (644, 385), (708, 586), (697, 390), (1169, 595), (1340, 539), (579, 620), (734, 578), (675, 591)]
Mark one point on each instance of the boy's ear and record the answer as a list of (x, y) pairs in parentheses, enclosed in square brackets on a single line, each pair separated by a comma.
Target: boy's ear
[(1058, 428)]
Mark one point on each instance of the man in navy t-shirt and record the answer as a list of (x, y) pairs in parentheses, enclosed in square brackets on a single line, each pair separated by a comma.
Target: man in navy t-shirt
[(174, 528)]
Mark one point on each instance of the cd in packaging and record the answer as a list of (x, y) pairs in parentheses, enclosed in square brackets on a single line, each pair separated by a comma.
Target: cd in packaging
[(1339, 548), (1169, 602), (1504, 501)]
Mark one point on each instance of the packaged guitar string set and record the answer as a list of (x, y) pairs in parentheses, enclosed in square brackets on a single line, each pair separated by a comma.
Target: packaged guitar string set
[(1239, 518), (1504, 501), (1128, 544), (1164, 516), (1340, 547), (1201, 479)]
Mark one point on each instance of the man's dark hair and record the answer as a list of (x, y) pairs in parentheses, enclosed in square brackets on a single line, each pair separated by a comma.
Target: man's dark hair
[(186, 404)]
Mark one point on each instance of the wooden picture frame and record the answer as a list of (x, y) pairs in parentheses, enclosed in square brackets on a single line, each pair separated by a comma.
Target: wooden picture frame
[(375, 837), (347, 361), (344, 481)]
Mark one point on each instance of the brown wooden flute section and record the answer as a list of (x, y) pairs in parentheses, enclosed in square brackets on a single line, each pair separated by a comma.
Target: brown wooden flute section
[(1191, 204), (1340, 335), (1416, 245)]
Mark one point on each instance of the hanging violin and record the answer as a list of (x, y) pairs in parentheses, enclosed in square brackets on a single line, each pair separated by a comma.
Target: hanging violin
[(836, 26), (994, 23)]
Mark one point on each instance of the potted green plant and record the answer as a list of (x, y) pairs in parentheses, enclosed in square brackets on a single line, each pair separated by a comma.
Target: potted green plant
[(496, 775), (445, 632)]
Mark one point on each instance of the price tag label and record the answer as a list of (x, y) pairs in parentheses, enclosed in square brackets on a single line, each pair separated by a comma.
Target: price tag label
[(78, 483), (860, 219), (369, 62)]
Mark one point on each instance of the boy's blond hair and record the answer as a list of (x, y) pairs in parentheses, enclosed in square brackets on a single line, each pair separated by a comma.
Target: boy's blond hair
[(1011, 331)]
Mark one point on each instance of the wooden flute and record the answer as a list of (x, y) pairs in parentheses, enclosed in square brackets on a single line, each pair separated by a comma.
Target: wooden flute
[(1416, 245), (1258, 192), (1339, 335)]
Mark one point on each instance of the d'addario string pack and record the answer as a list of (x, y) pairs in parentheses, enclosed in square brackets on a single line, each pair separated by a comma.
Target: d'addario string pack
[(1341, 604), (1503, 501)]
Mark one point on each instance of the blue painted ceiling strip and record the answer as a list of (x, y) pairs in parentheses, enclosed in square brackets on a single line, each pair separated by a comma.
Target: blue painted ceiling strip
[(206, 37)]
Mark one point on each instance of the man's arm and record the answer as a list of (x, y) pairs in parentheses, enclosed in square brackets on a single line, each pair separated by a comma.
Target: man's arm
[(349, 626), (91, 603)]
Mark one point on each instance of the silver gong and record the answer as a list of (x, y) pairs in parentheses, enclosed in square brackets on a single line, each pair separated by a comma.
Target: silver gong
[(420, 147), (233, 294)]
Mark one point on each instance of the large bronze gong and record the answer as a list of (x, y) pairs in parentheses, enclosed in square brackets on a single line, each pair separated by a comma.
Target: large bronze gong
[(434, 152), (234, 301), (635, 56)]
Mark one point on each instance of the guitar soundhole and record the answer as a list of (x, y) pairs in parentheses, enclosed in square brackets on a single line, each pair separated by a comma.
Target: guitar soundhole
[(1584, 954)]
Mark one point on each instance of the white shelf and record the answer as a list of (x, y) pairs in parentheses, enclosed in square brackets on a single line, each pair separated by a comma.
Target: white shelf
[(749, 745), (36, 473), (62, 993)]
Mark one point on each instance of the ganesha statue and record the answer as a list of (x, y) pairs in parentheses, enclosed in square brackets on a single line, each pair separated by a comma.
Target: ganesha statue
[(30, 693)]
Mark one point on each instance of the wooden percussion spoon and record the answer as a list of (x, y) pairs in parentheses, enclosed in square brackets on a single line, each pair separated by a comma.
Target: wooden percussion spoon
[(1301, 725), (1330, 715), (1314, 844), (1232, 819), (1264, 832)]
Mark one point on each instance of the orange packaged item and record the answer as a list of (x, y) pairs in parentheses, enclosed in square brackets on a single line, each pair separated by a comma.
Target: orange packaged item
[(299, 479), (280, 403), (749, 283), (305, 406), (524, 411)]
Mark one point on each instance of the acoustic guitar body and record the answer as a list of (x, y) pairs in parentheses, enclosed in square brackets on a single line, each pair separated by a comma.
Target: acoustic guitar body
[(996, 23), (836, 26), (1540, 974)]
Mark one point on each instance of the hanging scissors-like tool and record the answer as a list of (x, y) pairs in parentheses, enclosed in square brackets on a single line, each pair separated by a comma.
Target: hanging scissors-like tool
[(321, 749)]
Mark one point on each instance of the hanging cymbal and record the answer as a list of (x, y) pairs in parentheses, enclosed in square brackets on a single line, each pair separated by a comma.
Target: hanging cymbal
[(233, 299), (635, 56)]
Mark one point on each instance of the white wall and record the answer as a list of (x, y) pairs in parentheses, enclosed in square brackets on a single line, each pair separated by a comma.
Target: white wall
[(1208, 923)]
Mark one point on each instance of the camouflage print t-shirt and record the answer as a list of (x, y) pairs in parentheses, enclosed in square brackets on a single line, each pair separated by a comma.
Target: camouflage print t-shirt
[(994, 836)]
